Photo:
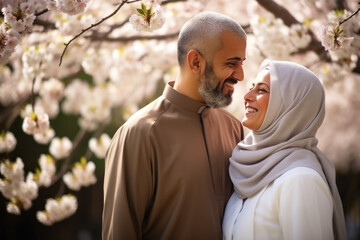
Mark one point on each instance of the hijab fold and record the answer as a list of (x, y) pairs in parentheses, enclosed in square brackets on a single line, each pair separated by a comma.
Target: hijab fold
[(286, 138)]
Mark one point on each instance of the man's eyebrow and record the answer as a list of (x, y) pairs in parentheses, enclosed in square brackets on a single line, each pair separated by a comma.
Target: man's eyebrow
[(236, 59)]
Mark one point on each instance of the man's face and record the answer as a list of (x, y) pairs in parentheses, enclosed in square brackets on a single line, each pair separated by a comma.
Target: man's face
[(217, 82)]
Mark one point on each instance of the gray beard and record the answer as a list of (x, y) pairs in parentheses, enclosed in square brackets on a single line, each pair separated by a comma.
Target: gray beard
[(211, 90)]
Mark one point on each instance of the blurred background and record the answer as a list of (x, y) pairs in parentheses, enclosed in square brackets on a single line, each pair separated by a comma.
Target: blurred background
[(112, 70)]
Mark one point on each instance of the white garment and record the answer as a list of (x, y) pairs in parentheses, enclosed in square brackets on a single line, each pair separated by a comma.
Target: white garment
[(297, 205)]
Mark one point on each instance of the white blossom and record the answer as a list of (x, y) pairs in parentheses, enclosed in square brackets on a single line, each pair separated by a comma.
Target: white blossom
[(148, 19), (57, 209), (45, 136), (36, 123), (82, 175), (50, 106), (75, 94), (8, 41), (44, 175), (99, 146), (71, 7), (13, 208), (333, 37), (60, 147), (272, 36), (52, 89), (299, 35), (7, 142), (13, 187), (21, 18)]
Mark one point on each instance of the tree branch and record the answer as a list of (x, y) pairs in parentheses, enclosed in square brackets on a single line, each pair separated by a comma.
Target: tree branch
[(133, 38), (45, 24), (289, 19), (94, 25)]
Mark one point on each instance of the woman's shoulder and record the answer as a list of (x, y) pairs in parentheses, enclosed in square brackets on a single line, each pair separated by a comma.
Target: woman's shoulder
[(300, 179)]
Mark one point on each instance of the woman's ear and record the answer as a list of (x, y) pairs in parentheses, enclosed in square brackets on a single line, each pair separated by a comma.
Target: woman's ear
[(195, 61)]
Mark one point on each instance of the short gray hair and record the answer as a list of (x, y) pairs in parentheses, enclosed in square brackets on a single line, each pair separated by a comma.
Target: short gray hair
[(203, 33)]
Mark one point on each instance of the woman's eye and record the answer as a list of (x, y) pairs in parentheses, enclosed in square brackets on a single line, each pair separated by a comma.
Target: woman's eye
[(262, 90)]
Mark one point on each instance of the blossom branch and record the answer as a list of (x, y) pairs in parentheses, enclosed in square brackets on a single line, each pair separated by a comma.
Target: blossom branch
[(133, 38), (289, 20), (346, 19), (94, 25)]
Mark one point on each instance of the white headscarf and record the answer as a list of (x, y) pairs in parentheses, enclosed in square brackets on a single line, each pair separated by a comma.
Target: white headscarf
[(286, 138)]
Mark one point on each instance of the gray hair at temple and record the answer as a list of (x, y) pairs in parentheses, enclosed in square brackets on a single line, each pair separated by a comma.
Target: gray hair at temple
[(203, 33)]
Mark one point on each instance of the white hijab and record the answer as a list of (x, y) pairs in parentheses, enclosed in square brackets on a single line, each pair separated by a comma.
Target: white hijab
[(286, 138)]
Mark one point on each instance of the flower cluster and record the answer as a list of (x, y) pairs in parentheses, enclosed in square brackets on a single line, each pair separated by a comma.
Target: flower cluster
[(9, 38), (35, 123), (15, 188), (45, 174), (81, 175), (147, 19), (336, 34), (57, 209), (333, 37), (60, 147), (72, 7), (275, 39), (19, 20)]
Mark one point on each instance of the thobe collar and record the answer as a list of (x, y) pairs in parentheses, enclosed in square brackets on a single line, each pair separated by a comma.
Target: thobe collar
[(183, 101)]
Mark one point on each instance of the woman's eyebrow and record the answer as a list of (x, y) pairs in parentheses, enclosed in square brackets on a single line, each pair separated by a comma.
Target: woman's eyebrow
[(262, 83)]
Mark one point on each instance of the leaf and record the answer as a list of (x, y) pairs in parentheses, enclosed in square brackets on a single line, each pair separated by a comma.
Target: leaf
[(143, 7), (149, 12), (140, 11)]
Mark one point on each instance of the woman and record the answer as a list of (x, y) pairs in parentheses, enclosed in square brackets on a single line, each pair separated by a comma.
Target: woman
[(284, 185)]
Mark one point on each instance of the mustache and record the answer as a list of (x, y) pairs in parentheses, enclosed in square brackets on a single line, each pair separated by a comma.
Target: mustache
[(231, 80)]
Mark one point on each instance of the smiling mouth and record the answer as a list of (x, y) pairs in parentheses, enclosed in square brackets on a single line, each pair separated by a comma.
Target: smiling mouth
[(230, 82), (251, 110)]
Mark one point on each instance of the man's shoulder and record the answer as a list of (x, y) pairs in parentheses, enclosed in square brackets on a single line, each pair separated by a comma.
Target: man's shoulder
[(146, 117)]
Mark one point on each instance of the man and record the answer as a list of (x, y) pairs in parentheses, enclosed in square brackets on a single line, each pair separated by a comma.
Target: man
[(166, 170)]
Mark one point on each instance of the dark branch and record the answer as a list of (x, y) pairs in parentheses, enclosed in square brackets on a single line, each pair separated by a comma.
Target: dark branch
[(279, 12), (94, 25), (45, 24), (289, 19), (133, 38), (41, 12)]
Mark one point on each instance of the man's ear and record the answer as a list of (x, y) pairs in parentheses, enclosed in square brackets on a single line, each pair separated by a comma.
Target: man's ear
[(195, 61)]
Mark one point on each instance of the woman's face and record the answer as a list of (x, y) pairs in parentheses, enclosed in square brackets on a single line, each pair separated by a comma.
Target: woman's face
[(256, 101)]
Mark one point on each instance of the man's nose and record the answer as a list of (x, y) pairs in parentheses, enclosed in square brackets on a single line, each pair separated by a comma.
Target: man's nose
[(239, 73)]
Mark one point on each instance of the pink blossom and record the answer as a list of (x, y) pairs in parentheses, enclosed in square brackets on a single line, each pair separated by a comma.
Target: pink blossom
[(333, 37)]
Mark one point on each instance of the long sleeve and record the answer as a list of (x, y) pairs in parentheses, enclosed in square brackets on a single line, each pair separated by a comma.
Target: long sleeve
[(305, 206), (127, 186)]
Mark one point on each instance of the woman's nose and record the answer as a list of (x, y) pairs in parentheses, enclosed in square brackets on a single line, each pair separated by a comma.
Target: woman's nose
[(249, 96)]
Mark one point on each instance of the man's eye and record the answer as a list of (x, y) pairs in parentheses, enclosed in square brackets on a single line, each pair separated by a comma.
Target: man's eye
[(231, 64)]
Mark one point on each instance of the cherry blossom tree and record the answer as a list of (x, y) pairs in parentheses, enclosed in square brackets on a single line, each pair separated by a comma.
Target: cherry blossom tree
[(96, 62)]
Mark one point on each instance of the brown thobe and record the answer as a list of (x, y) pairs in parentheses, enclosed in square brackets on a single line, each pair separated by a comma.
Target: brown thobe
[(166, 171)]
